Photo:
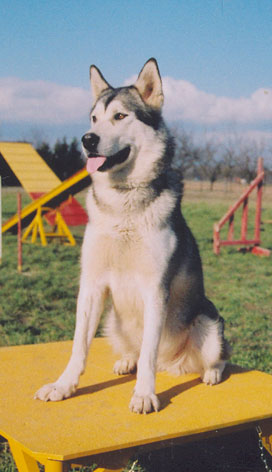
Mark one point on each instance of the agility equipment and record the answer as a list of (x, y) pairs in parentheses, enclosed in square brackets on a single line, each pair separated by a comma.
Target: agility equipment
[(95, 424), (60, 231), (253, 243), (56, 198), (0, 219), (53, 199), (19, 235)]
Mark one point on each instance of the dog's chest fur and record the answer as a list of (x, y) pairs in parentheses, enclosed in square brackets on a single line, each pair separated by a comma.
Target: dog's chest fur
[(130, 235)]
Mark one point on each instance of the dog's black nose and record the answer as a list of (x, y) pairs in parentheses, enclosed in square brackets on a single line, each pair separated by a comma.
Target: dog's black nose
[(90, 141)]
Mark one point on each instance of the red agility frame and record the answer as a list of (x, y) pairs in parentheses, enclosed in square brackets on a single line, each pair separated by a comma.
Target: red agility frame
[(229, 217)]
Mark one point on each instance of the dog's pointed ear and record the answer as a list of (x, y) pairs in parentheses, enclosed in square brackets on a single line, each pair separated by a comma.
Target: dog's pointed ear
[(98, 83), (149, 84)]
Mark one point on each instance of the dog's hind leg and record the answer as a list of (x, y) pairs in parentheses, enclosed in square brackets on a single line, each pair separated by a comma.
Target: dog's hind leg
[(208, 337), (89, 309), (126, 365)]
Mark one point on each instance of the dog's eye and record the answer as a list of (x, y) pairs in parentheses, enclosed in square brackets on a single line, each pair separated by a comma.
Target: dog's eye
[(119, 116), (94, 119)]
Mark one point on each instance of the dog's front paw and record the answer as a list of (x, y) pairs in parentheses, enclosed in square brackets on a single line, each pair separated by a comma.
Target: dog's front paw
[(212, 376), (127, 365), (144, 403), (54, 392)]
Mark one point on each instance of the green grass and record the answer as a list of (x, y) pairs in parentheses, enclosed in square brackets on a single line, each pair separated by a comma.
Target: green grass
[(39, 304)]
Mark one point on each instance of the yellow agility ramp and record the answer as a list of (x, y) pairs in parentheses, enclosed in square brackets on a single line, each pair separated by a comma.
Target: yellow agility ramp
[(95, 424), (29, 167)]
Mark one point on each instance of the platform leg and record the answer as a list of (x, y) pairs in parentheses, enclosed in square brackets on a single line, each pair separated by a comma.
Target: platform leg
[(24, 462), (55, 466), (265, 432)]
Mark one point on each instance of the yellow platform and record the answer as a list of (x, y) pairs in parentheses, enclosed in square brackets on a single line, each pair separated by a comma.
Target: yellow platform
[(96, 421)]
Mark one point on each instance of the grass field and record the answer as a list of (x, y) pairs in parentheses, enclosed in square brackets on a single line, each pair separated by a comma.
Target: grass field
[(39, 305)]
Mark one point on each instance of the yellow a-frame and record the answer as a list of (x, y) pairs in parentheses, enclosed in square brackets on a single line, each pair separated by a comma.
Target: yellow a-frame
[(53, 199)]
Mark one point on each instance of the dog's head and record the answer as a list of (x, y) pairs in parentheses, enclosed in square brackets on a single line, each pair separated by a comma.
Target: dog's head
[(124, 121)]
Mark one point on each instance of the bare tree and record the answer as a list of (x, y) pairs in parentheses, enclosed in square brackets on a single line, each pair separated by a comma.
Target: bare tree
[(229, 161), (240, 158), (186, 152), (247, 160), (210, 165)]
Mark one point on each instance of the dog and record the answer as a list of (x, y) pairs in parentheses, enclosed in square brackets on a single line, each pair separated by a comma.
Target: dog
[(138, 250)]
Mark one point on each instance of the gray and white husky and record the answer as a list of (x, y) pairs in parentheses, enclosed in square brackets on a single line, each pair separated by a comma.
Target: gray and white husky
[(138, 248)]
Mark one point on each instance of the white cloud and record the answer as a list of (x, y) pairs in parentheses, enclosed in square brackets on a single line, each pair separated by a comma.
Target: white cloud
[(185, 102), (49, 103), (42, 102)]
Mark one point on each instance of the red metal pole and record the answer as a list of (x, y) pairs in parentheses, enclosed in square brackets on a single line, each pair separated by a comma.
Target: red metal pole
[(229, 216), (19, 234), (257, 235), (231, 228), (244, 220), (216, 240), (233, 209)]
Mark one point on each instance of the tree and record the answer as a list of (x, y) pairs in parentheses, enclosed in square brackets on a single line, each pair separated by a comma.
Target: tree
[(61, 154), (240, 158), (64, 159), (229, 161), (209, 164), (247, 161), (186, 152), (75, 157), (47, 154)]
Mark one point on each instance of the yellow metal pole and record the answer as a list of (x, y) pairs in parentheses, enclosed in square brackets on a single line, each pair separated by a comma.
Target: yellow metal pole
[(0, 220), (40, 226), (28, 230), (19, 233), (63, 229), (35, 228)]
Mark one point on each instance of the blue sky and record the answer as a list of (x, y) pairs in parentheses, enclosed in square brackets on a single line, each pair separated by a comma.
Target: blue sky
[(215, 57)]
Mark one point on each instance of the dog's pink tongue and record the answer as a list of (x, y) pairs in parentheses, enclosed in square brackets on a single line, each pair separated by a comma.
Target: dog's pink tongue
[(93, 163)]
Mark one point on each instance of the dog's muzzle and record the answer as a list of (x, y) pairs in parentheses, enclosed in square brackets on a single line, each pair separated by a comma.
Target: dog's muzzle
[(95, 161)]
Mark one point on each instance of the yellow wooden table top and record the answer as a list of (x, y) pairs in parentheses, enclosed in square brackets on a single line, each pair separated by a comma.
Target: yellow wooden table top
[(97, 418)]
